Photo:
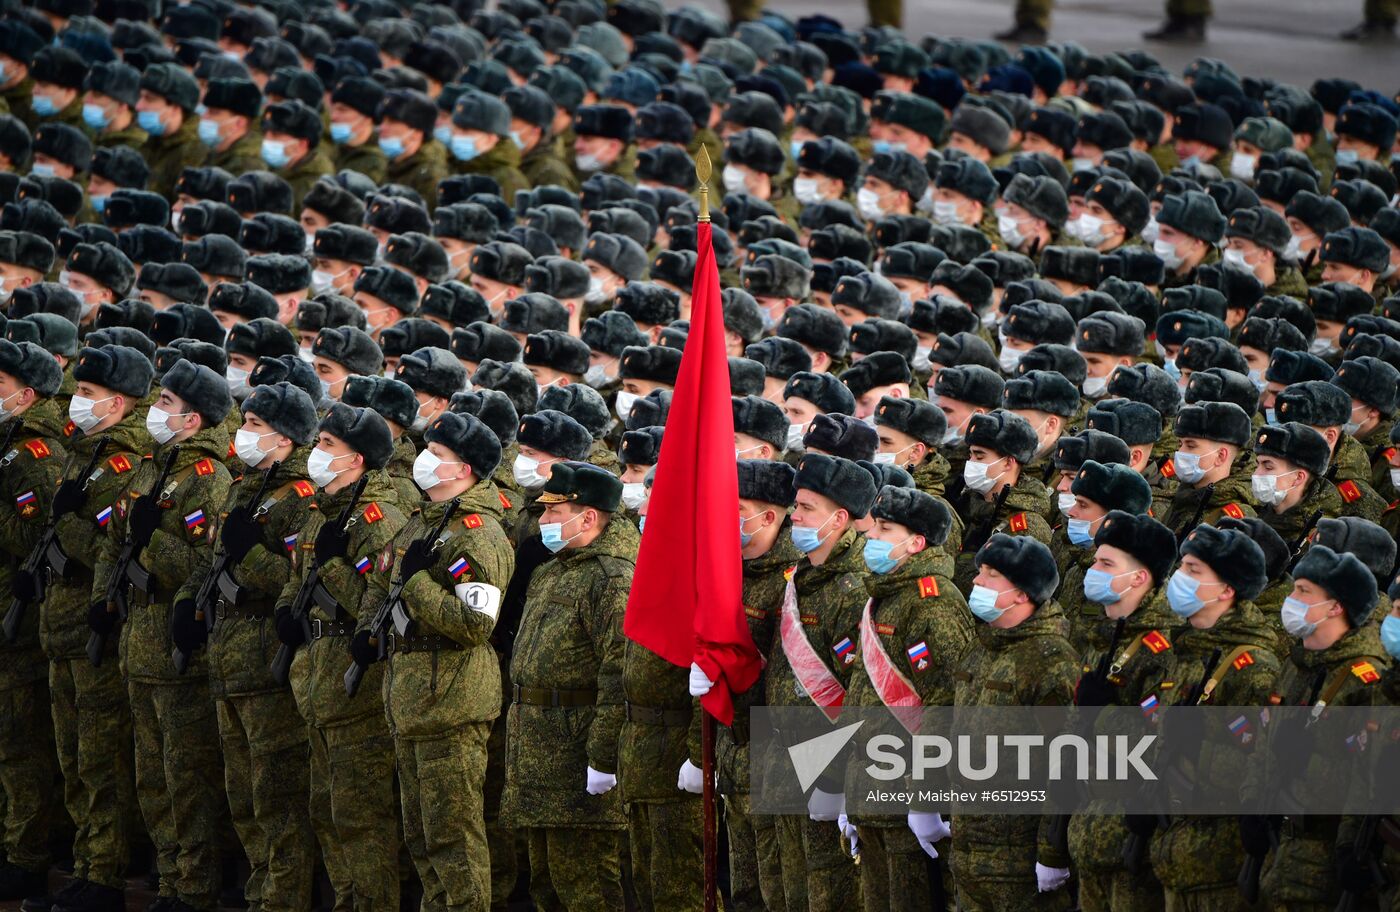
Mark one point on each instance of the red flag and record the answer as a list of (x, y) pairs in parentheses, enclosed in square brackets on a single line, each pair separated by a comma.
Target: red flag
[(686, 602)]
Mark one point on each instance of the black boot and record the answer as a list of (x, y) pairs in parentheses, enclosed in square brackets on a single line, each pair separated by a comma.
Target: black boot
[(46, 903), (17, 883), (1370, 30), (95, 898), (1179, 30), (1023, 33), (161, 904)]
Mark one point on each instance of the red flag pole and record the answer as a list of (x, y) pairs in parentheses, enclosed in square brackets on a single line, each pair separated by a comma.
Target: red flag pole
[(703, 171)]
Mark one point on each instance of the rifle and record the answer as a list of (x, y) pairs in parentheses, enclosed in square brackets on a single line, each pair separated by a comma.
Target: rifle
[(126, 568), (1196, 517), (39, 555), (392, 608), (1364, 851), (1299, 544), (204, 601), (312, 590)]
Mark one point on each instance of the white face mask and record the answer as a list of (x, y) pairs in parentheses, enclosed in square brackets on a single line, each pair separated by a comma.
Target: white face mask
[(1009, 358), (588, 163), (976, 478), (625, 401), (945, 212), (794, 436), (420, 421), (595, 293), (921, 354), (1149, 231), (1094, 387), (1395, 479), (1065, 501), (305, 354), (884, 458), (1242, 166), (1010, 230), (5, 412), (1323, 347), (5, 293), (807, 191), (1166, 252), (1091, 229), (237, 382), (596, 376), (425, 468), (158, 423), (526, 472), (735, 180), (80, 412), (245, 444), (318, 467), (1080, 163), (1266, 489), (1235, 260), (868, 202), (925, 203), (322, 281), (634, 494), (1293, 250)]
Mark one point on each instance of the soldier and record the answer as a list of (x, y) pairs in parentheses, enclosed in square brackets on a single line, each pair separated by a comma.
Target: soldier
[(97, 273), (1048, 402), (352, 768), (172, 715), (92, 722), (58, 73), (19, 44), (482, 144), (961, 393), (532, 114), (1211, 466), (561, 791), (109, 105), (819, 621), (1326, 408), (603, 141), (1126, 645), (760, 429), (753, 161), (165, 110), (913, 633), (1374, 387), (32, 469), (1033, 210), (354, 113), (443, 686), (415, 159), (291, 137), (1189, 228), (1107, 341), (910, 432), (806, 396), (1139, 426), (1223, 657), (1013, 862), (229, 126), (999, 496)]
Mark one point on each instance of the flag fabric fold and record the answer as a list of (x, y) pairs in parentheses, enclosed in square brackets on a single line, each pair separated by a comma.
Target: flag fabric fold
[(686, 603)]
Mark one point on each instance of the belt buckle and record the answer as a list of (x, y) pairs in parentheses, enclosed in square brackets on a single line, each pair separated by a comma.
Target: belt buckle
[(391, 643), (515, 693), (316, 629)]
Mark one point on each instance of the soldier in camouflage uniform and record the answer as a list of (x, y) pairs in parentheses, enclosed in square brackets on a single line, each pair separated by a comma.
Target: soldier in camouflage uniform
[(962, 392), (265, 751), (92, 722), (442, 686), (415, 159), (1210, 466), (354, 113), (1327, 408), (1048, 402), (1222, 657), (1289, 483), (1021, 657), (1374, 387), (1127, 644), (481, 142), (567, 709), (1339, 664), (532, 113), (291, 147), (396, 404), (1140, 426), (914, 632), (233, 106), (999, 496), (172, 715), (114, 89), (169, 95), (352, 767), (758, 877), (603, 142), (821, 615), (30, 470)]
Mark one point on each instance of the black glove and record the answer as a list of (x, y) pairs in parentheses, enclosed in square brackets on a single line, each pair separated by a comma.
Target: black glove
[(1095, 690), (289, 630), (240, 532), (1356, 875), (419, 556), (69, 498), (1141, 825), (362, 650), (24, 586), (186, 630), (143, 519), (1256, 834), (100, 620), (331, 542)]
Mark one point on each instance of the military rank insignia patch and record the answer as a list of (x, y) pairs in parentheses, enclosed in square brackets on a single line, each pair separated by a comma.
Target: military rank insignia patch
[(1243, 660), (1017, 523), (1349, 491), (37, 449), (27, 504), (845, 651), (1168, 469), (373, 514), (1365, 672), (119, 464), (204, 467), (928, 587), (919, 656), (304, 488), (505, 501), (1233, 511), (472, 521), (1155, 642)]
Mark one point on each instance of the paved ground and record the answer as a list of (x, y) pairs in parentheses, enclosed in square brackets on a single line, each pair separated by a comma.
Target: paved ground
[(1290, 40)]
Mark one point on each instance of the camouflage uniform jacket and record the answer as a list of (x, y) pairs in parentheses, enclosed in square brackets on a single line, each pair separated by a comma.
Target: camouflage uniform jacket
[(407, 497), (421, 170), (511, 495), (428, 691), (924, 627), (1199, 851), (244, 639), (366, 158), (318, 670), (302, 175), (132, 136), (1019, 509), (765, 579), (1289, 281), (1031, 664), (19, 101), (650, 751), (1378, 449), (179, 548), (1351, 473), (171, 154), (1081, 613), (1230, 496), (1321, 498), (542, 165), (501, 164), (931, 477), (63, 626), (570, 639), (243, 156), (30, 470)]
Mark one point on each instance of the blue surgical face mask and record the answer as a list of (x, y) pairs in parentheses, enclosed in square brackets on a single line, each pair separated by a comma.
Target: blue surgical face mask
[(43, 105), (881, 145), (808, 539), (1098, 586), (1191, 162), (41, 169), (1169, 365), (1348, 156), (983, 603), (516, 138), (641, 524), (95, 117), (1188, 467), (443, 134), (1390, 636), (99, 204), (209, 131), (1294, 615), (391, 146), (1079, 533), (464, 147), (795, 148), (1270, 416), (552, 535), (340, 133), (877, 555), (745, 537), (275, 153), (1182, 594), (150, 122)]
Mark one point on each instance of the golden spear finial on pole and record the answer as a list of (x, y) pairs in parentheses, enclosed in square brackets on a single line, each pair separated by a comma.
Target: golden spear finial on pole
[(703, 171)]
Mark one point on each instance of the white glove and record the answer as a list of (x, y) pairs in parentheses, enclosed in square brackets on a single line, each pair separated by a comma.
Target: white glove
[(824, 806), (1047, 880), (848, 830), (600, 783), (928, 828), (691, 778), (699, 683)]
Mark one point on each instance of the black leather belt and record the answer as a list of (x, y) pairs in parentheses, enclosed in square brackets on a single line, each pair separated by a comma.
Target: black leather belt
[(320, 628), (646, 715), (430, 642), (226, 612), (544, 696)]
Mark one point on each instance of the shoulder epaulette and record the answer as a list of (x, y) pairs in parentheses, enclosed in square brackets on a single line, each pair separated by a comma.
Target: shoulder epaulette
[(119, 463), (1349, 491), (928, 587), (1233, 511), (1156, 642), (1017, 522), (1242, 660), (304, 488), (204, 467), (37, 448), (505, 501), (1365, 671), (1167, 469), (373, 514), (232, 452), (69, 428), (472, 521)]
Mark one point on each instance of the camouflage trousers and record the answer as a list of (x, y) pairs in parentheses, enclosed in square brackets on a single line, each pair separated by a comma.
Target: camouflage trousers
[(92, 733), (575, 870), (179, 778), (1214, 899), (986, 882), (1119, 891), (755, 871), (443, 823), (667, 855), (354, 812), (894, 871), (26, 773), (504, 842), (818, 875), (267, 779)]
